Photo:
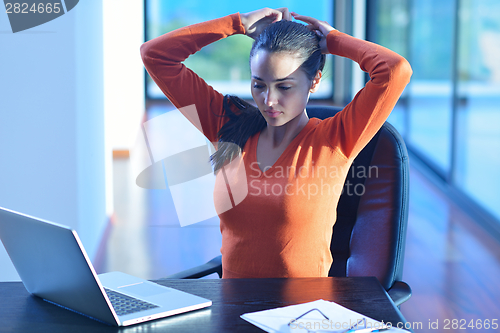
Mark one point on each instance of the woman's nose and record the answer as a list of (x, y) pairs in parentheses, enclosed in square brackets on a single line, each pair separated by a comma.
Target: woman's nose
[(271, 98)]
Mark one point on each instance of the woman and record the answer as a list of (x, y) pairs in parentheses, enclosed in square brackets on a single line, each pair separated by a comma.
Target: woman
[(294, 166)]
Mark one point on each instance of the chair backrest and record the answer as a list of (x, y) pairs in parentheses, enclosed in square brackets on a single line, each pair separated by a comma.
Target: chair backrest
[(372, 214)]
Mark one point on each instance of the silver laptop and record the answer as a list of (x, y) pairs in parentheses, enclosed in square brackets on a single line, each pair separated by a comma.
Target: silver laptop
[(52, 263)]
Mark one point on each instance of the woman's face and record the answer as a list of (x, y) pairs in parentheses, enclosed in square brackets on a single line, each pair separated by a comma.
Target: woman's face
[(280, 88)]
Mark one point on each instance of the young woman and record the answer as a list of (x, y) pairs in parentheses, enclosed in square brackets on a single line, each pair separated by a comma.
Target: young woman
[(295, 167)]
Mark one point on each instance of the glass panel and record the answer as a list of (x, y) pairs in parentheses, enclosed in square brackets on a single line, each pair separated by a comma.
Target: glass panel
[(430, 101), (391, 30), (478, 131), (224, 64)]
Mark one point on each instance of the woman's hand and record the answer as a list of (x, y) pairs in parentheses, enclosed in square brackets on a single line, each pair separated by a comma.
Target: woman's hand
[(322, 28), (255, 22)]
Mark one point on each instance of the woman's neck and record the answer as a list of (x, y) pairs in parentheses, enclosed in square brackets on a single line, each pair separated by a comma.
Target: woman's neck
[(278, 136)]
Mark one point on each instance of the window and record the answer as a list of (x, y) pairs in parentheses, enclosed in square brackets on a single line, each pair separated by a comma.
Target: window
[(388, 25), (224, 64), (449, 114), (478, 103)]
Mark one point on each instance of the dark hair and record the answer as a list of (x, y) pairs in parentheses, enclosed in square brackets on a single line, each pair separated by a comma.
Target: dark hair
[(282, 36), (293, 38)]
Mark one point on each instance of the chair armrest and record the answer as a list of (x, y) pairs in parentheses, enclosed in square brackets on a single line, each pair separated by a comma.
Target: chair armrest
[(400, 292), (213, 266)]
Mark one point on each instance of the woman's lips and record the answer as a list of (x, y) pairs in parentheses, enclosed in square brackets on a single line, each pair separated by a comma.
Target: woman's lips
[(272, 113)]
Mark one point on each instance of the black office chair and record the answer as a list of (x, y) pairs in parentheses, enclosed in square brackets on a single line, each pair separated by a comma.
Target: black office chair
[(370, 233)]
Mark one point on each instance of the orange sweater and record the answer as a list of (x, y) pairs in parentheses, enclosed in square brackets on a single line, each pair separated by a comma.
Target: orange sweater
[(283, 225)]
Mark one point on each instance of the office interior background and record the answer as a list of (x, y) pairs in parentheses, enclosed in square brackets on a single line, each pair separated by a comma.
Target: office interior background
[(74, 93)]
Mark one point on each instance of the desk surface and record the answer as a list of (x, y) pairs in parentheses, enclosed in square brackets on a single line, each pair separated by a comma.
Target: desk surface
[(21, 312)]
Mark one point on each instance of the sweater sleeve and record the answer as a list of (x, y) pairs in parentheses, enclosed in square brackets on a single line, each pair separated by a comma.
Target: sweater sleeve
[(352, 128), (163, 57)]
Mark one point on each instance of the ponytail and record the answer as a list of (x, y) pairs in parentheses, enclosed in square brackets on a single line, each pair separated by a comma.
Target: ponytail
[(236, 131)]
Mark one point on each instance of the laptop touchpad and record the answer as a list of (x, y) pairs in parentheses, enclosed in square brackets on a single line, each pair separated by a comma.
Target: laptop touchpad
[(144, 289)]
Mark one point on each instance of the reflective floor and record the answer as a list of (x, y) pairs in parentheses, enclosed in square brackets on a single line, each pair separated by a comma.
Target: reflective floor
[(451, 263)]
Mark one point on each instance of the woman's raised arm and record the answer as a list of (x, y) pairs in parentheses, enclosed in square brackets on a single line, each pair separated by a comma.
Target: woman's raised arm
[(163, 57), (389, 73)]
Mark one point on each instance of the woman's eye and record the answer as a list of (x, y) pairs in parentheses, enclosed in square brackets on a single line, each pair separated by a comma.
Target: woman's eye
[(284, 88), (257, 86)]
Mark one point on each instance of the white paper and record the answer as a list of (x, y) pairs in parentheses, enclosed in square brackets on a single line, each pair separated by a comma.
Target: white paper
[(340, 319)]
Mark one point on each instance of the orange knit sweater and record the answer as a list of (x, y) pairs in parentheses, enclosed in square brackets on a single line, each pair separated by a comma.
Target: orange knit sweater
[(281, 225)]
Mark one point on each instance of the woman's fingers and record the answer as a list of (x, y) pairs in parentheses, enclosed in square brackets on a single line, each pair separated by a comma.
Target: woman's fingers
[(287, 15), (278, 15), (304, 18), (283, 14), (255, 22), (314, 24), (320, 28)]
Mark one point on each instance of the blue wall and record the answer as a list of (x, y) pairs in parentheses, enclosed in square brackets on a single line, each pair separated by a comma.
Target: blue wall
[(52, 123)]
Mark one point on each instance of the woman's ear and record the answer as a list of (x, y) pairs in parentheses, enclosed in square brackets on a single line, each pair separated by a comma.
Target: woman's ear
[(315, 82)]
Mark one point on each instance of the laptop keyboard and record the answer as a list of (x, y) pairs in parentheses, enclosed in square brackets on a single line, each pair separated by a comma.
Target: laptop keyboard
[(124, 304)]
